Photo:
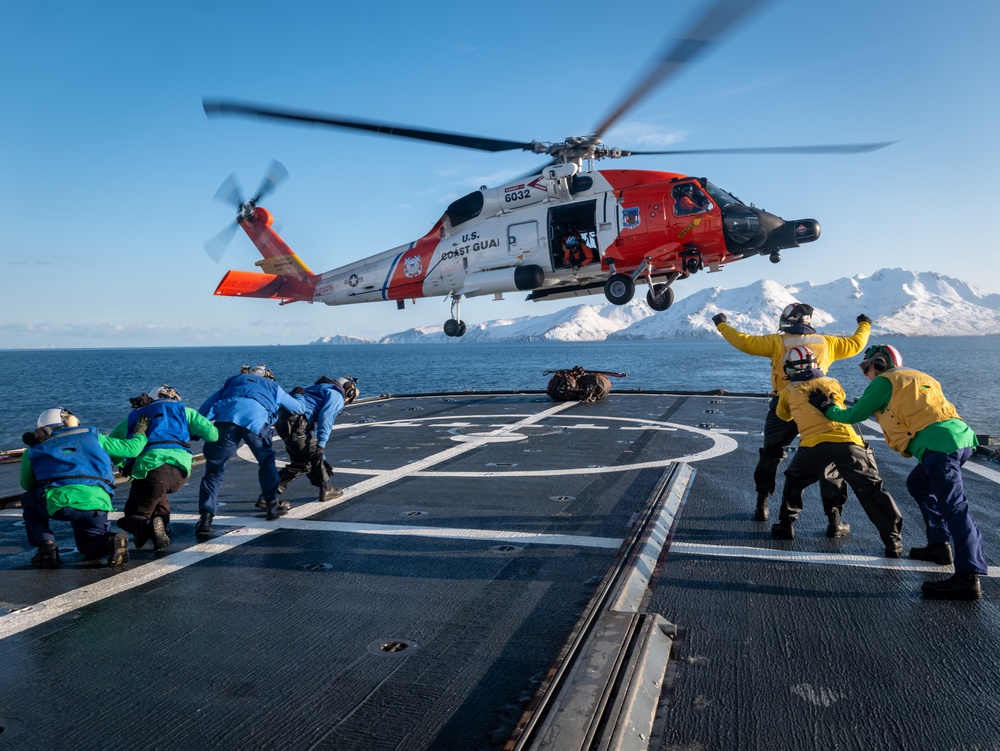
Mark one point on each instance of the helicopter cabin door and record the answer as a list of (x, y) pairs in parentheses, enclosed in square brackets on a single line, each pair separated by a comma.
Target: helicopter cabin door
[(522, 240)]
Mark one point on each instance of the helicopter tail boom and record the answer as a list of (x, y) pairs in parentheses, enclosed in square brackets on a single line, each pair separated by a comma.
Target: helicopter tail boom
[(267, 286)]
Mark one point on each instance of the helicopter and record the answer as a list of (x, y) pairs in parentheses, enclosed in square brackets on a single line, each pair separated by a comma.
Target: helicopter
[(568, 229)]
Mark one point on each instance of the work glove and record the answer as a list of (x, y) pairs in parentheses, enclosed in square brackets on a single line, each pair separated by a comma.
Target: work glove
[(298, 390), (719, 318), (142, 425), (864, 319), (821, 400)]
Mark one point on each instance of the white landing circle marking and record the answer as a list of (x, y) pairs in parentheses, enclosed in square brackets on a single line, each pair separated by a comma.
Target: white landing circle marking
[(721, 443)]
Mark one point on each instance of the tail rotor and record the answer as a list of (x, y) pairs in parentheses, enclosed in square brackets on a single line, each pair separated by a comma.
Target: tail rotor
[(230, 192)]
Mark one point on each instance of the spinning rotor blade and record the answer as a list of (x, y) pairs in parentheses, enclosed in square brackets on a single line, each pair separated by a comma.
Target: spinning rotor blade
[(276, 173), (847, 148), (719, 18), (216, 247), (230, 191), (482, 143)]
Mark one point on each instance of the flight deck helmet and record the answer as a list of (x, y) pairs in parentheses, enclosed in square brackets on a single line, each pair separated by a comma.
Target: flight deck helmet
[(795, 314), (56, 418), (165, 392), (882, 357), (799, 360), (349, 386)]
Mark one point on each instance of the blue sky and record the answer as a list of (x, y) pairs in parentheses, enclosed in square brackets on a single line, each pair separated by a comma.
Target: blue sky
[(110, 164)]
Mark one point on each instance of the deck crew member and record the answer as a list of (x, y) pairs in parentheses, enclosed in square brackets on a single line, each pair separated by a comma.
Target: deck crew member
[(822, 443), (306, 435), (243, 410), (794, 329), (918, 421), (68, 474), (163, 466)]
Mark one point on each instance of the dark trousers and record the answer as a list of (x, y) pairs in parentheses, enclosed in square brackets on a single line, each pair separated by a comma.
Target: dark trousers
[(149, 497), (218, 453), (89, 527), (856, 464), (936, 485), (300, 443), (778, 436)]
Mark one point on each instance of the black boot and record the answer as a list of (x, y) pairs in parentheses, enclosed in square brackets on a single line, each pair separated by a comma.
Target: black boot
[(117, 548), (160, 537), (935, 552), (204, 526), (328, 493), (47, 555), (760, 514), (276, 508), (261, 503), (783, 531), (894, 549), (836, 528), (955, 587)]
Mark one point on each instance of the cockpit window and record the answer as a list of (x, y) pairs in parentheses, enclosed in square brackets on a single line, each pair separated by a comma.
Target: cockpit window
[(688, 199), (721, 197)]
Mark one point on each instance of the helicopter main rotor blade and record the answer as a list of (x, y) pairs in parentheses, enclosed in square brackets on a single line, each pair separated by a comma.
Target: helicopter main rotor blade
[(847, 148), (719, 18), (482, 143)]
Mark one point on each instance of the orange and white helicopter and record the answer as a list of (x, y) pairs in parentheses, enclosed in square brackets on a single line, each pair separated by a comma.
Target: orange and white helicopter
[(567, 230)]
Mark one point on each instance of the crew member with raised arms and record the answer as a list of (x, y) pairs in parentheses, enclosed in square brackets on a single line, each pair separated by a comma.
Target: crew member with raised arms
[(68, 474), (919, 421), (794, 330)]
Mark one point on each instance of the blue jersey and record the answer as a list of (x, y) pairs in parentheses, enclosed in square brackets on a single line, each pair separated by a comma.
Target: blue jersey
[(72, 456)]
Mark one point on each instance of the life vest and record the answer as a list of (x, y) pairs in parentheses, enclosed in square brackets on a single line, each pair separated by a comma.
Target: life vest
[(815, 342), (72, 456), (813, 426), (168, 427), (917, 402)]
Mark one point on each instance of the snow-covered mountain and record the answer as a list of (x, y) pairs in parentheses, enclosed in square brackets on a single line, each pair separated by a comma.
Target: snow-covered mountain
[(899, 302)]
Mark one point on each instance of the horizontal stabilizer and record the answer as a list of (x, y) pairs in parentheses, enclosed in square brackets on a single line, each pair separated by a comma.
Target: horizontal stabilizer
[(252, 284)]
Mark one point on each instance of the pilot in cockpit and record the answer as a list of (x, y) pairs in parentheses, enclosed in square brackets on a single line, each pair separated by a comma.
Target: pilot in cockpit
[(689, 200)]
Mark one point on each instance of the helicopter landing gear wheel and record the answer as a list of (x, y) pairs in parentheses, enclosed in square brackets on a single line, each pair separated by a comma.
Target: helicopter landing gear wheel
[(660, 297), (619, 288), (453, 327)]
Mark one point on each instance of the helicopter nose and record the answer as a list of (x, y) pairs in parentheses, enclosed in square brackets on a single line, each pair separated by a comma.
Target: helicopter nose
[(793, 234)]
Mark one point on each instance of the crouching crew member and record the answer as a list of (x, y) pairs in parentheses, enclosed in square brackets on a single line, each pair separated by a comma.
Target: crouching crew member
[(163, 466), (794, 330), (822, 443), (68, 473), (243, 410), (306, 435), (918, 421)]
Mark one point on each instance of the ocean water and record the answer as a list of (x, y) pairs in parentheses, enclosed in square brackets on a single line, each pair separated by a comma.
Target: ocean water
[(96, 383)]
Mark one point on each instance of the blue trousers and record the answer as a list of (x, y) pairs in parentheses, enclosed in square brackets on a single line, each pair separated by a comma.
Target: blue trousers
[(936, 485), (218, 453), (89, 527)]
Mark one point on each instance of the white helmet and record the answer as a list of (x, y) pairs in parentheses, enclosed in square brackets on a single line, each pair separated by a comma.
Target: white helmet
[(799, 360), (164, 392), (53, 418), (349, 386)]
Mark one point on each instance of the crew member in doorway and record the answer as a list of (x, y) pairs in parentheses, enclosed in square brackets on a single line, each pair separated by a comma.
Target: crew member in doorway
[(822, 443), (68, 474), (243, 410), (306, 434), (163, 466), (794, 329), (919, 421), (576, 252)]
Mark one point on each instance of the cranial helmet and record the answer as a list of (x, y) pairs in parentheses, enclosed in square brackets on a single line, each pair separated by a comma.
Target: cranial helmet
[(795, 314), (257, 370), (56, 418), (799, 360), (882, 357), (350, 388), (165, 392)]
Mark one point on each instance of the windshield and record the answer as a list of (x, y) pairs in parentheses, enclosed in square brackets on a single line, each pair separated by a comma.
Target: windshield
[(721, 197)]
